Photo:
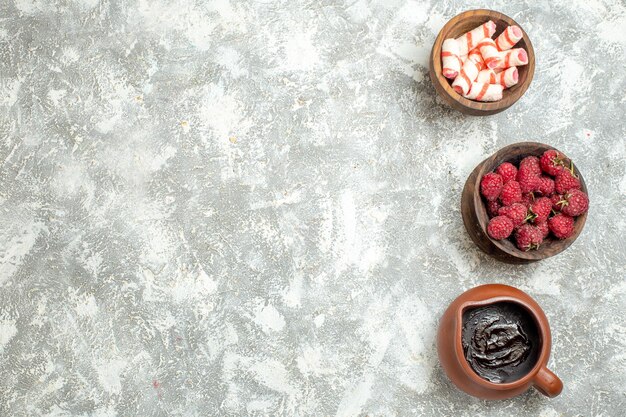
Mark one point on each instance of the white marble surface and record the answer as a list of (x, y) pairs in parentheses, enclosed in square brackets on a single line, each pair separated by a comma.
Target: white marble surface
[(252, 207)]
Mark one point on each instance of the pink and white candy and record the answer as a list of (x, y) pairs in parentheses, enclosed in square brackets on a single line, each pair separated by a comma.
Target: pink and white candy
[(481, 66), (485, 92), (512, 58), (450, 57), (487, 76), (507, 78), (475, 56), (509, 37), (489, 52), (463, 82), (469, 40)]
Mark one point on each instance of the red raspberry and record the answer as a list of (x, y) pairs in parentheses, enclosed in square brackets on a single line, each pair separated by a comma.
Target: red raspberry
[(565, 181), (508, 172), (516, 212), (545, 229), (528, 199), (575, 203), (493, 207), (528, 237), (541, 209), (552, 162), (528, 180), (500, 227), (561, 225), (557, 202), (511, 193), (547, 185), (532, 164), (491, 186)]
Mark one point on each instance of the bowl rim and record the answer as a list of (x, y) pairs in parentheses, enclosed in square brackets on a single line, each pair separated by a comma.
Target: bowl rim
[(506, 245), (479, 106)]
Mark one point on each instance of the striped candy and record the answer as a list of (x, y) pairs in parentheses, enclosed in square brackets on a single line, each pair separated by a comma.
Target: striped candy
[(485, 92), (507, 78), (509, 38), (466, 77), (475, 56), (481, 66), (450, 57), (487, 76), (490, 52), (468, 41), (513, 58)]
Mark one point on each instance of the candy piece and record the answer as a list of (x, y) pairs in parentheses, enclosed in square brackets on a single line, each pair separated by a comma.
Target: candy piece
[(485, 92), (490, 52), (450, 56), (509, 38), (466, 77), (487, 76), (513, 58), (468, 41), (507, 78), (475, 56)]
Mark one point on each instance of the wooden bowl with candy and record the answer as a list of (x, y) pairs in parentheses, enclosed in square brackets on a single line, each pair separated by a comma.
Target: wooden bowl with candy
[(505, 70), (565, 215)]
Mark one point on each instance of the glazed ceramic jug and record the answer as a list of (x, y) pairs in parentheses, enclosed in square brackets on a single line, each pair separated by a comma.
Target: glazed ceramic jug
[(452, 354)]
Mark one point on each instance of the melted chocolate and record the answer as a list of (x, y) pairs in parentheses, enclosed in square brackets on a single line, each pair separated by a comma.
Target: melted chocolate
[(500, 341)]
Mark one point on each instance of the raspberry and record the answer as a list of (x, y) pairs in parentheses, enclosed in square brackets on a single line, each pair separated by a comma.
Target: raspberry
[(493, 207), (491, 186), (528, 199), (545, 229), (516, 212), (507, 171), (511, 193), (565, 181), (575, 203), (500, 227), (561, 225), (528, 237), (532, 164), (552, 162), (528, 180), (557, 202), (541, 209), (546, 187)]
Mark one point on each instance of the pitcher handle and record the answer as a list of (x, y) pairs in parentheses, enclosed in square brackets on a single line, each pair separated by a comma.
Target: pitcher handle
[(548, 383)]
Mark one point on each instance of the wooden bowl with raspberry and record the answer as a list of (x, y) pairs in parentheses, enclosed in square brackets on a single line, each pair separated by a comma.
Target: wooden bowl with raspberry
[(526, 202)]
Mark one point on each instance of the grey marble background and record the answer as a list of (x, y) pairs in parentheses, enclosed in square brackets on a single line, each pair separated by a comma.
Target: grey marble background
[(252, 207)]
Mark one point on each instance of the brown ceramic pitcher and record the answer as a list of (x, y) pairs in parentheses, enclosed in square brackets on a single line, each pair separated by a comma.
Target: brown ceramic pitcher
[(452, 357)]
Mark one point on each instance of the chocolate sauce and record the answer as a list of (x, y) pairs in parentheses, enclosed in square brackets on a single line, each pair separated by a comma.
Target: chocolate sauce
[(501, 341)]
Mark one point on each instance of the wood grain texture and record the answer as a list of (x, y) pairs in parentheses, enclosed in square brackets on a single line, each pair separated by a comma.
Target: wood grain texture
[(475, 215), (457, 26)]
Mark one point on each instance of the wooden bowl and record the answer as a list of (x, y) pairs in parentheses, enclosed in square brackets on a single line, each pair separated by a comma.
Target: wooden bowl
[(475, 215), (456, 27)]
